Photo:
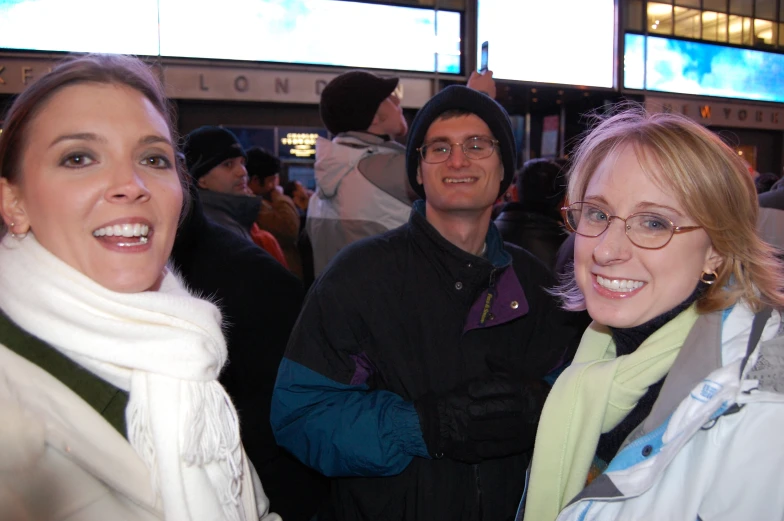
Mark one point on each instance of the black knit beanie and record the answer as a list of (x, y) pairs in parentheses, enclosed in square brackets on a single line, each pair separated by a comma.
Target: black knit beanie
[(458, 97), (350, 101), (261, 163), (207, 147)]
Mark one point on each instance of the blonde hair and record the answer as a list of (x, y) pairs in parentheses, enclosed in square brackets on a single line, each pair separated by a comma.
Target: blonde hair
[(709, 181)]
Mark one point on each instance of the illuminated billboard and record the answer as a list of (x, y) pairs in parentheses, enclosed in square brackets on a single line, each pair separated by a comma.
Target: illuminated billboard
[(318, 32), (703, 69), (564, 42)]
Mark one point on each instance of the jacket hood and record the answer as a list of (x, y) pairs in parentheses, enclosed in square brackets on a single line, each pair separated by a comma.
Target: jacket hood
[(333, 162)]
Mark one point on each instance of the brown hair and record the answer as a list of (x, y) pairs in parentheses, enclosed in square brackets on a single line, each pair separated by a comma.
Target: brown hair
[(709, 181), (93, 68)]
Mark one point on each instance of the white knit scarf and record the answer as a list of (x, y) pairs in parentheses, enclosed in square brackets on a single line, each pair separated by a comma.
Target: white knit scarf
[(166, 348)]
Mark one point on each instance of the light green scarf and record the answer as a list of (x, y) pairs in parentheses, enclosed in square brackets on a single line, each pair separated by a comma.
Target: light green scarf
[(591, 397)]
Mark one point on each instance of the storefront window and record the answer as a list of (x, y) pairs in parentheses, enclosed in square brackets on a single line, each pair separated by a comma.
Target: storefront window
[(781, 35), (687, 22), (659, 18), (740, 30), (714, 26), (763, 33)]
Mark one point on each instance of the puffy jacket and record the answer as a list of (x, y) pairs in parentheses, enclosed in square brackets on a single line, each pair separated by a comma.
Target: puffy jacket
[(393, 318), (711, 447), (361, 190)]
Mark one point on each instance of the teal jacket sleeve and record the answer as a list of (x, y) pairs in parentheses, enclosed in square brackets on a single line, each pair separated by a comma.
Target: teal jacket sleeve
[(323, 410)]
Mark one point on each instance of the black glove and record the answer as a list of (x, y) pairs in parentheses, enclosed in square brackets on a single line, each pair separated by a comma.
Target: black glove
[(484, 419)]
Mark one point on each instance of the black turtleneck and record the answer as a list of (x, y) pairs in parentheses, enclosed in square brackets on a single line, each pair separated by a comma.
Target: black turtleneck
[(627, 340)]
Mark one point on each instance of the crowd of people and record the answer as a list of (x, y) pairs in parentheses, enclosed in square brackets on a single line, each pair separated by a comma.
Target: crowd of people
[(432, 333)]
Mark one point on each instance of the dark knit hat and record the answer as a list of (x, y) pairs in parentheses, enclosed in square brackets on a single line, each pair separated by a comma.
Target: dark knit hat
[(458, 97), (261, 163), (207, 147), (350, 101)]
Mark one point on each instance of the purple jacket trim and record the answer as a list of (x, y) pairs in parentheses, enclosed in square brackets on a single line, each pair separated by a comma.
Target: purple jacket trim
[(364, 369), (508, 303)]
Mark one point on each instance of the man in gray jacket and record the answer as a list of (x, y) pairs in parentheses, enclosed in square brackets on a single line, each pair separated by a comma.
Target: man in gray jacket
[(361, 183)]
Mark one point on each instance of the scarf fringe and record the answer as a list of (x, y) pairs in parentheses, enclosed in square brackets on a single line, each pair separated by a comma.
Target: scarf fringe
[(137, 418), (214, 437)]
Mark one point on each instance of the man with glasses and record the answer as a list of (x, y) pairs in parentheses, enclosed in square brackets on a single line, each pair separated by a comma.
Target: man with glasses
[(416, 373), (361, 186)]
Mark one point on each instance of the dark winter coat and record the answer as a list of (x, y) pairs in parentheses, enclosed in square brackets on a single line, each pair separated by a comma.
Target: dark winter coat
[(260, 301), (232, 211), (392, 318), (535, 232)]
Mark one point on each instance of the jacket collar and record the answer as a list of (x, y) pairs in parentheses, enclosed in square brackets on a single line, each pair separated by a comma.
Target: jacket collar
[(242, 208), (699, 356), (495, 254)]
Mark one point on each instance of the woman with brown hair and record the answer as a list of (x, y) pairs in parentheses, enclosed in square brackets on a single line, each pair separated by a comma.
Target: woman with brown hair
[(673, 406), (109, 402)]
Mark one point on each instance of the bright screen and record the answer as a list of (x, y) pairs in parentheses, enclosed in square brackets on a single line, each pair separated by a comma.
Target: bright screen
[(323, 32), (80, 26), (567, 42), (703, 69)]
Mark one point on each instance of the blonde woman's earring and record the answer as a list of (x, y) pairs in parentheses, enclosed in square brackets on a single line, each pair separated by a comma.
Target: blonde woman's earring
[(17, 236), (708, 278)]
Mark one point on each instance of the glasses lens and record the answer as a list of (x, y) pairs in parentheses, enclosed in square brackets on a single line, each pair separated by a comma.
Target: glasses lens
[(587, 219), (649, 230), (436, 152), (478, 147)]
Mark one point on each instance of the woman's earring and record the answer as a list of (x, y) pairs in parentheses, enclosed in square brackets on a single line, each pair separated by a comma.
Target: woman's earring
[(17, 236), (708, 278)]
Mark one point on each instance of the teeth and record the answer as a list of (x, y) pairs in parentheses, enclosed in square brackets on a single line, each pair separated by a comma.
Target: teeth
[(123, 230), (461, 180), (619, 285), (142, 240)]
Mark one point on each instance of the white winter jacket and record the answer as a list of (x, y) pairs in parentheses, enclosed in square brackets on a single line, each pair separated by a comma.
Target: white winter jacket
[(361, 187), (712, 447)]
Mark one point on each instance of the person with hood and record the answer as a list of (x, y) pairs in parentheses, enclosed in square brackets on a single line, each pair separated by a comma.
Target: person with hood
[(361, 186), (415, 374)]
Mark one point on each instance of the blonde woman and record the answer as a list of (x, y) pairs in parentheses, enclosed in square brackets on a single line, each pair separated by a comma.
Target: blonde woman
[(673, 407)]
